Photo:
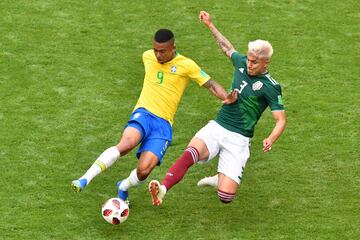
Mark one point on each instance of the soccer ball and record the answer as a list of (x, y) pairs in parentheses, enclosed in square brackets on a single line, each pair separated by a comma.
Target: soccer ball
[(115, 211)]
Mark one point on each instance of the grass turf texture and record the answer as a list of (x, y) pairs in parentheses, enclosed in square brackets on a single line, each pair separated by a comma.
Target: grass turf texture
[(71, 73)]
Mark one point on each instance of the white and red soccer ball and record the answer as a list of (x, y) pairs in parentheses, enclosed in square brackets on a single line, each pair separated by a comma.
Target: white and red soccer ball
[(115, 211)]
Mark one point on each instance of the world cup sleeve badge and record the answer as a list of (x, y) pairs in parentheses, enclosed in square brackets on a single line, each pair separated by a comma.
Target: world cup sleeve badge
[(173, 69)]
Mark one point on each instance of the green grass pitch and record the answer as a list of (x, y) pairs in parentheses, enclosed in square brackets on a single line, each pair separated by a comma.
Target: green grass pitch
[(71, 73)]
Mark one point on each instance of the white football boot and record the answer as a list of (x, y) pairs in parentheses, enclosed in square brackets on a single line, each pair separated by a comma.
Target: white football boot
[(209, 181)]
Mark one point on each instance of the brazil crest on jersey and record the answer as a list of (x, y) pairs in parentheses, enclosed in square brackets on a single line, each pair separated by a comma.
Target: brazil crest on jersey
[(255, 94), (164, 84)]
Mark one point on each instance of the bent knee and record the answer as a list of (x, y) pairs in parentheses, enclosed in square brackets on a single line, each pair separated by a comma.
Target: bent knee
[(127, 143), (143, 173), (225, 197), (146, 164)]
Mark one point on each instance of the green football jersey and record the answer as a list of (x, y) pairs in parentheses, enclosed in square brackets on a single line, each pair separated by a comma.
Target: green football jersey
[(255, 94)]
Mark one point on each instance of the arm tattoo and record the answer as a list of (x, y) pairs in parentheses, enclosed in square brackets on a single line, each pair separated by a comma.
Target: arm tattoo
[(222, 42), (216, 89)]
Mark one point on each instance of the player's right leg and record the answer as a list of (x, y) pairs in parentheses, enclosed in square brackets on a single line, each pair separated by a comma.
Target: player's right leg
[(196, 150), (130, 139), (157, 192)]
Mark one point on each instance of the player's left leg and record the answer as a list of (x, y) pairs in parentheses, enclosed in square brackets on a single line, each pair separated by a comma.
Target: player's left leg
[(150, 154), (233, 156), (226, 188), (209, 181), (146, 164)]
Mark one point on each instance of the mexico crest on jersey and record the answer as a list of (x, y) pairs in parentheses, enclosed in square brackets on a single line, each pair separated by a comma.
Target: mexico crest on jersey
[(257, 85)]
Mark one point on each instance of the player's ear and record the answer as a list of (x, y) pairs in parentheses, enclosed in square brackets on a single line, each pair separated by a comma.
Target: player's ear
[(267, 62)]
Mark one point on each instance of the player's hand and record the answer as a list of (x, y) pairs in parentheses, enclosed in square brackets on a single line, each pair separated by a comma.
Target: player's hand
[(231, 97), (267, 143), (205, 18)]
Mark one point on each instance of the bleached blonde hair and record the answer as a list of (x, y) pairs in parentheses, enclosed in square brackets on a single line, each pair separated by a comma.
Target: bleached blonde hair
[(261, 48)]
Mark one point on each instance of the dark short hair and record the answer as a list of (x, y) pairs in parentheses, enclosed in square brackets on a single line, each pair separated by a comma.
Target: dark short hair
[(163, 35)]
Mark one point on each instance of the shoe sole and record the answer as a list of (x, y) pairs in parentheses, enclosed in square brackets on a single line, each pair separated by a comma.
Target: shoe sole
[(75, 188), (154, 191)]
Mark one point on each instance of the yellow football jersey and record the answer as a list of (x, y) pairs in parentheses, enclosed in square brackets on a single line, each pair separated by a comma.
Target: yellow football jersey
[(164, 84)]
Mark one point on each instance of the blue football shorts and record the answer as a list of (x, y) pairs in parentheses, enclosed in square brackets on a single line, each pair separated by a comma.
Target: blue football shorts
[(156, 132)]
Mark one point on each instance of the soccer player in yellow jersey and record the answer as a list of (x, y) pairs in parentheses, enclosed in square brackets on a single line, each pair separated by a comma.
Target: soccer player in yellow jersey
[(167, 73)]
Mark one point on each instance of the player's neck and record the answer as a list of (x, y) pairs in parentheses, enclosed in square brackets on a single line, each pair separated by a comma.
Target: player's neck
[(264, 71), (174, 56)]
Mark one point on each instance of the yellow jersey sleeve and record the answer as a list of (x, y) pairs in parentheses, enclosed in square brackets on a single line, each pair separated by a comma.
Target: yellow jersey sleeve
[(164, 84)]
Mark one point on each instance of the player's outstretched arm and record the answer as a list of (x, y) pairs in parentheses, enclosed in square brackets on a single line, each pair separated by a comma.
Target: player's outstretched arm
[(231, 97), (280, 123), (224, 44), (218, 91)]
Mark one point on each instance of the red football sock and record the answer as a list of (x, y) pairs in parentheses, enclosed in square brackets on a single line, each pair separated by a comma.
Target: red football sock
[(225, 197), (179, 168)]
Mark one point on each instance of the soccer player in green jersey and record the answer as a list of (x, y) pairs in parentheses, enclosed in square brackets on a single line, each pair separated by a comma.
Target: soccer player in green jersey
[(229, 134)]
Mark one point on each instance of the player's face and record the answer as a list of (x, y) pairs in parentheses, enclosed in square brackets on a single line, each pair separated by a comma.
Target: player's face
[(164, 52), (255, 65)]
